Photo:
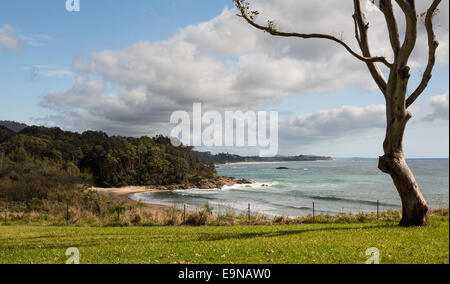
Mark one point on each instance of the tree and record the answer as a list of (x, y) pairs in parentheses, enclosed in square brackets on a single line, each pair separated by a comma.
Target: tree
[(393, 87)]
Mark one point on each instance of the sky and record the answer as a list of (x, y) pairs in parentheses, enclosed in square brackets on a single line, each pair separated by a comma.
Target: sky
[(125, 66)]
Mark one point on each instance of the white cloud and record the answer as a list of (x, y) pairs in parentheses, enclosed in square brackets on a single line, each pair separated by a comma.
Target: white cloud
[(48, 71), (83, 94), (330, 124), (226, 64), (440, 105), (56, 73), (9, 38), (315, 131)]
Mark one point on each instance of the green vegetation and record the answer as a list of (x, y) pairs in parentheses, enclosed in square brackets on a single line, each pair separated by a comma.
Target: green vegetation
[(45, 173), (112, 161), (305, 243), (14, 126)]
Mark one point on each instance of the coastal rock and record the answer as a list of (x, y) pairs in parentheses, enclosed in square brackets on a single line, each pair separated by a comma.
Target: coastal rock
[(221, 181), (244, 181), (282, 168), (217, 181)]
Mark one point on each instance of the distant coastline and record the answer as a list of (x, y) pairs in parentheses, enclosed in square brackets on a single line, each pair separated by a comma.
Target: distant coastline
[(226, 158)]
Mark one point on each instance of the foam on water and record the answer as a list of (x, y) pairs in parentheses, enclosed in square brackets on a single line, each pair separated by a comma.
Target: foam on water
[(256, 185), (340, 186)]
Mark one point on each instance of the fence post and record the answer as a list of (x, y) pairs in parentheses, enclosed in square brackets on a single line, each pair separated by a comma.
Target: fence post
[(67, 213), (184, 215), (6, 213), (378, 209), (249, 212), (314, 211)]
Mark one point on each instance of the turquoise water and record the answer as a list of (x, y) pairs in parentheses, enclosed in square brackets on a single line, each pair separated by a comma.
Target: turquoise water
[(341, 186)]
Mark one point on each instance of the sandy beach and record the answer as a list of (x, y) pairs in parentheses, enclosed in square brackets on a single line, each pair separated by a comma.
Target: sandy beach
[(124, 193)]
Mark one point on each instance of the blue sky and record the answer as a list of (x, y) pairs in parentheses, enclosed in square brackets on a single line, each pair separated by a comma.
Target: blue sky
[(53, 42), (99, 25)]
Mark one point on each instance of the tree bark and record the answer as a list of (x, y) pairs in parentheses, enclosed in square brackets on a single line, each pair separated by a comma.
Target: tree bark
[(414, 206), (414, 212)]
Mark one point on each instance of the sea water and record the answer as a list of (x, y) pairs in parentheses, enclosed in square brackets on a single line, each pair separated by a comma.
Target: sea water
[(334, 187)]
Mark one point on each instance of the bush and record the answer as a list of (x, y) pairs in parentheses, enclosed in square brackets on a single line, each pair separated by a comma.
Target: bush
[(173, 216), (200, 217)]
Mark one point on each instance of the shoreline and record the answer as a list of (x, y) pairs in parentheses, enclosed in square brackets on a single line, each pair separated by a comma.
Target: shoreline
[(125, 192), (217, 183)]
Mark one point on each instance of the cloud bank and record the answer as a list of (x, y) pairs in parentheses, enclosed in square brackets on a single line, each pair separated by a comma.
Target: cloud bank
[(227, 65), (440, 106)]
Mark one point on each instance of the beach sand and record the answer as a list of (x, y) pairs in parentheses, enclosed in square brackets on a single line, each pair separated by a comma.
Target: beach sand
[(124, 193)]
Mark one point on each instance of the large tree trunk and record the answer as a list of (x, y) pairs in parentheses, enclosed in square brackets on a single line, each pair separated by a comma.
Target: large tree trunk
[(415, 208), (393, 163)]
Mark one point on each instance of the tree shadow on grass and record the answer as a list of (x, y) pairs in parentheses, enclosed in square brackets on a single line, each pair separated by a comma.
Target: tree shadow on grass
[(37, 245), (282, 233)]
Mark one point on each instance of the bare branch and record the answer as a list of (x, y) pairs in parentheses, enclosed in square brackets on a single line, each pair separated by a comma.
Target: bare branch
[(409, 9), (357, 35), (408, 6), (244, 9), (394, 36), (361, 33), (432, 47)]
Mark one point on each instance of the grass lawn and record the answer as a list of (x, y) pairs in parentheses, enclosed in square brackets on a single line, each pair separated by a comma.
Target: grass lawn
[(309, 243)]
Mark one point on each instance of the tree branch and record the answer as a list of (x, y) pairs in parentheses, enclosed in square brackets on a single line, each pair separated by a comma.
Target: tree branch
[(432, 47), (357, 35), (361, 32), (394, 36), (409, 9), (271, 30)]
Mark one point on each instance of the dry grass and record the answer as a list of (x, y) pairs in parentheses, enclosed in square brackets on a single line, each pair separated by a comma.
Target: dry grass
[(139, 214)]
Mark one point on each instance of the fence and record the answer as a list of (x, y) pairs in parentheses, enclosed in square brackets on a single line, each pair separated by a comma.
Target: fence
[(249, 211)]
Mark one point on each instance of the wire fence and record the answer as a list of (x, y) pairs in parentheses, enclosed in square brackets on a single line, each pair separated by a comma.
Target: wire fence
[(314, 211), (249, 211)]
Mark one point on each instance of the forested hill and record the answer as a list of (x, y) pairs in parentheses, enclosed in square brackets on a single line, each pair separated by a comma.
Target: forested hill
[(225, 158), (112, 161), (12, 125)]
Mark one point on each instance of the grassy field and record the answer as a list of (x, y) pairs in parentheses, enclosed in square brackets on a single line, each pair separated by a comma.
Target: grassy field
[(306, 243)]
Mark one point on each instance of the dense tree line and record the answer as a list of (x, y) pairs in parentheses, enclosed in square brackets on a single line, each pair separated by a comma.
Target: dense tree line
[(14, 126), (112, 161)]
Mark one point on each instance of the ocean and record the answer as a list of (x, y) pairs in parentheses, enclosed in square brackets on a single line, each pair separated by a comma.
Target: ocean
[(334, 187)]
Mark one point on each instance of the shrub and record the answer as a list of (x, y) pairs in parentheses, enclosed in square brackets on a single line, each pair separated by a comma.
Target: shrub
[(198, 218)]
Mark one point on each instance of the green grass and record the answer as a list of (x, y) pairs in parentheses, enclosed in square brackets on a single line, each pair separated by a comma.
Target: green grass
[(306, 243)]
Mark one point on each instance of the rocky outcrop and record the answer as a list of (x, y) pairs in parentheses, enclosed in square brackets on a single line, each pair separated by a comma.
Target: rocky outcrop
[(221, 181), (216, 182), (244, 181)]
